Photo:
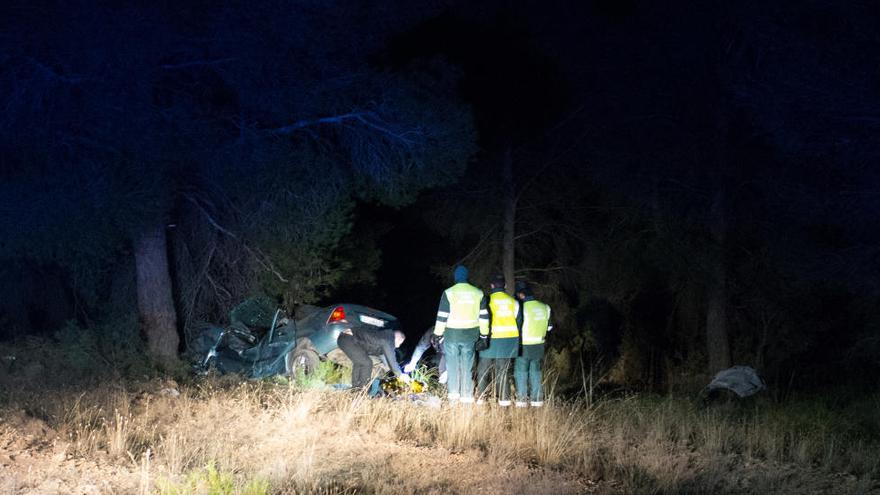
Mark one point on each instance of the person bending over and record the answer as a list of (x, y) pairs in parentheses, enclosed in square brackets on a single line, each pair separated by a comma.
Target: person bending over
[(360, 344)]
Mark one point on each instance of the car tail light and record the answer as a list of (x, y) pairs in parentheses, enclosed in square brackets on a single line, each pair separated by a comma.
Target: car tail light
[(337, 315)]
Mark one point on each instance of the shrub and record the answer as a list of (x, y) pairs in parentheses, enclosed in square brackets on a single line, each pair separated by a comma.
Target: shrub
[(210, 481)]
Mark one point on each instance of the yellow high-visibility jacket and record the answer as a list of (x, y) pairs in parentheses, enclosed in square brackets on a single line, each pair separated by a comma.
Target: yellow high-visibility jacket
[(503, 312), (462, 306), (536, 322)]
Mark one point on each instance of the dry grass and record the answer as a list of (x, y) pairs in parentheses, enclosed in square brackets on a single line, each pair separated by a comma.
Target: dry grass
[(259, 437)]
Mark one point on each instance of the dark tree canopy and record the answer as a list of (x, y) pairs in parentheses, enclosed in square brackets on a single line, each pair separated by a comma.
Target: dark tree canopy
[(250, 129)]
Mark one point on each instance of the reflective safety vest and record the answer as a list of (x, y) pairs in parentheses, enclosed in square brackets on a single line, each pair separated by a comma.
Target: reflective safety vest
[(464, 306), (536, 319), (504, 309)]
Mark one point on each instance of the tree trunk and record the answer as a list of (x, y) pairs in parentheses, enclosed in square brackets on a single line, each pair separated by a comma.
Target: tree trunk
[(157, 316), (717, 340), (508, 248)]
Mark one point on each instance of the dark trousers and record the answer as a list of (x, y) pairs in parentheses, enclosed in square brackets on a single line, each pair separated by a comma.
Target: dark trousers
[(528, 376), (501, 369), (460, 369), (362, 365)]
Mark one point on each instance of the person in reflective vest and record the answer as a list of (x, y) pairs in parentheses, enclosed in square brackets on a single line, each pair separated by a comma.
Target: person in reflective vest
[(462, 318), (503, 344), (535, 318)]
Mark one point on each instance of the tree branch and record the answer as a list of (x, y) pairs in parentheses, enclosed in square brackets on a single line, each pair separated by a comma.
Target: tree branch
[(520, 236), (195, 63), (217, 287), (549, 269), (258, 255), (53, 74), (486, 235), (209, 217), (368, 119), (300, 124)]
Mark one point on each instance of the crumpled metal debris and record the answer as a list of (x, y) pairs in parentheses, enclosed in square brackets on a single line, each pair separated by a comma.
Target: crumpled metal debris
[(741, 380)]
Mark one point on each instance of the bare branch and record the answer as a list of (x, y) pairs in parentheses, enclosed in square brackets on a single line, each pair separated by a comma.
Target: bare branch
[(217, 287), (195, 63), (264, 260), (369, 119), (487, 235), (209, 217), (301, 124), (549, 269), (53, 74), (527, 234), (258, 255)]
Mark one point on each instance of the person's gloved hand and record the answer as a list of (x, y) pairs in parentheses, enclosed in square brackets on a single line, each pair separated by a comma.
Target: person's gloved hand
[(409, 368), (443, 377), (404, 378), (482, 344), (436, 341)]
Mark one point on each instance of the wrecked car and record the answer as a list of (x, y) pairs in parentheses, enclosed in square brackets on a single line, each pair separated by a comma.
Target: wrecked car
[(284, 346)]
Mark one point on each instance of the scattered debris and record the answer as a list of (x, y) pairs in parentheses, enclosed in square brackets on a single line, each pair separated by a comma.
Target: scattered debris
[(741, 380), (169, 392)]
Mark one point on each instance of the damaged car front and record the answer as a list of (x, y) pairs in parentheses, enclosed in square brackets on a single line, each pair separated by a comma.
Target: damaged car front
[(287, 347)]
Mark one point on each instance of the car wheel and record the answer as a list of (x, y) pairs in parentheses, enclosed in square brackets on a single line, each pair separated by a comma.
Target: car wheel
[(305, 360)]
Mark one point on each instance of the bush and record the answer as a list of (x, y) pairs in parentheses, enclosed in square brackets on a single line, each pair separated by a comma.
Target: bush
[(325, 373), (210, 481), (78, 354)]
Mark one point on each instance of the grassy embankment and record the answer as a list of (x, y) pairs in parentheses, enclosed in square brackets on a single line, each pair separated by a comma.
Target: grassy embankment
[(222, 436)]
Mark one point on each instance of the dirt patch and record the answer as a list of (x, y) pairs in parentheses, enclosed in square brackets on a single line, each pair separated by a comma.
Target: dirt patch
[(35, 459)]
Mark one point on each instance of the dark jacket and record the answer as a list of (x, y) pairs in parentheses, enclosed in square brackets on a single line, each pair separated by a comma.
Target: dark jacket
[(423, 345), (378, 343)]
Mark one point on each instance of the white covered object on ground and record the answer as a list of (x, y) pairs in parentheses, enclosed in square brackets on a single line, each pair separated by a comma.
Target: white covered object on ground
[(741, 380)]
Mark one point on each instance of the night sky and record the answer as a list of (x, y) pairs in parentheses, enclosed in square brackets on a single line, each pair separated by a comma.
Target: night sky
[(693, 183)]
